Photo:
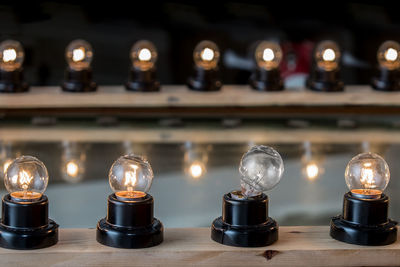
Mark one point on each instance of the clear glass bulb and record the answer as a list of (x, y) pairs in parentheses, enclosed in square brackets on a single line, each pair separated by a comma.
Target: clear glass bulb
[(389, 55), (79, 55), (130, 177), (11, 55), (26, 178), (268, 55), (206, 55), (261, 169), (327, 55), (367, 175), (143, 55)]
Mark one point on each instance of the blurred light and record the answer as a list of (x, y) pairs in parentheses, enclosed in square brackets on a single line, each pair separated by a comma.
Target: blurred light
[(329, 55), (207, 54), (145, 54)]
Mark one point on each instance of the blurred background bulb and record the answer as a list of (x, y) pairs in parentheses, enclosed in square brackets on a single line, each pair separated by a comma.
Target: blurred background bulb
[(367, 175), (26, 178), (197, 169), (312, 162), (130, 177), (196, 159), (327, 55), (79, 55), (388, 55), (11, 55), (206, 55), (268, 55), (261, 169), (143, 55), (72, 162)]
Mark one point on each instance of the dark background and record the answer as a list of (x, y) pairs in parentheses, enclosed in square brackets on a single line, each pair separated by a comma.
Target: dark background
[(45, 28)]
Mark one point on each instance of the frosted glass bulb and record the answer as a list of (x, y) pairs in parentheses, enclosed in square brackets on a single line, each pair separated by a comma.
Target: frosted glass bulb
[(130, 177), (143, 55), (268, 55), (11, 55), (389, 55), (327, 55), (261, 170), (26, 178), (79, 55), (367, 175), (206, 55)]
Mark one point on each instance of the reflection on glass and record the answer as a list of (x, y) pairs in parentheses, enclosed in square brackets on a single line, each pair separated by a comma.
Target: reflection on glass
[(73, 162), (195, 159), (312, 163), (6, 157)]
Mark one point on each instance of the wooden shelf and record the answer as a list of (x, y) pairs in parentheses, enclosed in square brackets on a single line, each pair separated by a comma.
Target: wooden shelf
[(297, 246), (178, 100), (197, 134)]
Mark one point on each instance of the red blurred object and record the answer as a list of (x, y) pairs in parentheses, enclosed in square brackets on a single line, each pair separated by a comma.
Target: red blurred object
[(297, 58)]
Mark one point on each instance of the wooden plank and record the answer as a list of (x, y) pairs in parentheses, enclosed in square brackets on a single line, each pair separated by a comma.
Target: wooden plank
[(180, 96), (297, 246), (198, 135)]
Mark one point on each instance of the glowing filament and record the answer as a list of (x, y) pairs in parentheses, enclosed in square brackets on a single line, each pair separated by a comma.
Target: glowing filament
[(328, 55), (391, 54), (9, 55), (196, 170), (78, 54), (144, 54), (131, 178), (24, 179), (367, 176), (268, 54), (312, 171), (207, 54), (72, 169)]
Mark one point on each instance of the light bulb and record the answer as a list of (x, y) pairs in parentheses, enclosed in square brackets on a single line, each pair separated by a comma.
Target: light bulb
[(268, 55), (261, 170), (130, 177), (143, 55), (26, 179), (79, 55), (388, 55), (312, 171), (11, 55), (206, 55), (367, 175), (327, 55)]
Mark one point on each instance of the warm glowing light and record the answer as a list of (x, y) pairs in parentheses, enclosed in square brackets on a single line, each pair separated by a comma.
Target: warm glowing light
[(131, 178), (207, 54), (367, 176), (23, 179), (312, 171), (268, 54), (78, 54), (391, 54), (9, 55), (196, 170), (328, 55), (72, 169), (144, 54)]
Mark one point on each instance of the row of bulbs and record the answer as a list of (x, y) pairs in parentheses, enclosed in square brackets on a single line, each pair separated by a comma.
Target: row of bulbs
[(325, 75)]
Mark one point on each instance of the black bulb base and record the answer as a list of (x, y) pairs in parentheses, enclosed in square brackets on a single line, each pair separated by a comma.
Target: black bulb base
[(244, 223), (386, 80), (12, 82), (25, 225), (364, 222), (78, 81), (142, 81), (130, 224), (266, 80), (205, 80), (325, 81)]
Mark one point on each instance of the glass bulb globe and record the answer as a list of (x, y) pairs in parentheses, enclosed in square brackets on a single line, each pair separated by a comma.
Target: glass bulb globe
[(367, 175), (389, 55), (11, 55), (268, 55), (206, 55), (130, 177), (26, 178), (143, 55), (327, 55), (261, 169), (79, 55)]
